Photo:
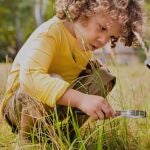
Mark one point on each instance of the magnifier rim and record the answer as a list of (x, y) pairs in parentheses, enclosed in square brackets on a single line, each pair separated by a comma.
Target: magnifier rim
[(132, 113)]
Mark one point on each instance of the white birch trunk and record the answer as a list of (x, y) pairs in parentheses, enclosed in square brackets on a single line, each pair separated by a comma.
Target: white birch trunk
[(39, 10)]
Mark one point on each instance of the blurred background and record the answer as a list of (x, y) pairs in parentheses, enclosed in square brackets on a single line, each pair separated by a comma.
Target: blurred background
[(18, 19)]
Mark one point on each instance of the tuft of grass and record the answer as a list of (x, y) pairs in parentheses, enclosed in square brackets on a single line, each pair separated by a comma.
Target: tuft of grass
[(131, 92)]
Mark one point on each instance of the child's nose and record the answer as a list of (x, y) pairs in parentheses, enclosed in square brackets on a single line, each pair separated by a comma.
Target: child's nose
[(103, 40)]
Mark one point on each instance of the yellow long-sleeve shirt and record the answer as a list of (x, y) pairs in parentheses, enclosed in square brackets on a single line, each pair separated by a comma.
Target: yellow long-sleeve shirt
[(50, 49)]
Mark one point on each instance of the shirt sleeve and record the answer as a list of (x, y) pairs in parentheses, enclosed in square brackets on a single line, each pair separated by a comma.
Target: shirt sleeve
[(34, 78)]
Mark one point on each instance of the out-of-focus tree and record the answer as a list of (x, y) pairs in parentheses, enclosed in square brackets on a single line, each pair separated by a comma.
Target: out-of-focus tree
[(50, 11), (18, 18), (14, 17), (39, 10)]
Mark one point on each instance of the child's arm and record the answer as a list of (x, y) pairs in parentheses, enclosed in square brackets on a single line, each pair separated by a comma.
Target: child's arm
[(95, 106), (35, 61)]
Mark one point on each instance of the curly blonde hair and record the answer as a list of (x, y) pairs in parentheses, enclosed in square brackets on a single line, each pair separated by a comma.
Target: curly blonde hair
[(129, 13)]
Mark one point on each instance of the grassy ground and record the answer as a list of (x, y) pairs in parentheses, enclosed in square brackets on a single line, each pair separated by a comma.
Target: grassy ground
[(131, 92)]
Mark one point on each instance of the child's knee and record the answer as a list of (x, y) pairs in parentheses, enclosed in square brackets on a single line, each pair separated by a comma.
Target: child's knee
[(95, 81)]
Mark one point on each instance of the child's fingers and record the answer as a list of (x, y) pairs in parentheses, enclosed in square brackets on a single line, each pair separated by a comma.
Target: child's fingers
[(100, 115), (107, 109)]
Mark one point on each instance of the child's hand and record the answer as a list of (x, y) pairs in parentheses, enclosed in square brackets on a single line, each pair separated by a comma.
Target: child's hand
[(96, 107)]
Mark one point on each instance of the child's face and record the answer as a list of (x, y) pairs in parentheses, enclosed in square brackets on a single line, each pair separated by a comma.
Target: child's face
[(98, 30)]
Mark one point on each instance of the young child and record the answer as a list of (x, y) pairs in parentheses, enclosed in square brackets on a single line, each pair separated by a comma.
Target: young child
[(58, 51)]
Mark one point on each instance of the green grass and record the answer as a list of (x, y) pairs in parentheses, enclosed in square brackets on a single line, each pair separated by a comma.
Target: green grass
[(131, 92)]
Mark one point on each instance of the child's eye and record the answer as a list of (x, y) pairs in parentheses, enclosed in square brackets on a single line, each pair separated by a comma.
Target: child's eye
[(102, 28)]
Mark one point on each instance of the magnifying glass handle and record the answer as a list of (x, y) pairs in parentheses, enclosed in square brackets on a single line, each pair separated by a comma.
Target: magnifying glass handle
[(123, 113), (79, 112)]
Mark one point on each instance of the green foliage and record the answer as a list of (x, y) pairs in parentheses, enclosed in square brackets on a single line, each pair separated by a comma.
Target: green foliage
[(18, 17), (50, 12)]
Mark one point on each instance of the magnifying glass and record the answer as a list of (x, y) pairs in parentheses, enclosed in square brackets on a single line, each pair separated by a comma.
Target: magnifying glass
[(123, 113), (131, 113)]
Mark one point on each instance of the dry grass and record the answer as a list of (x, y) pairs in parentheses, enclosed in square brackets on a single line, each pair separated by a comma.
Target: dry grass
[(131, 92), (4, 70)]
